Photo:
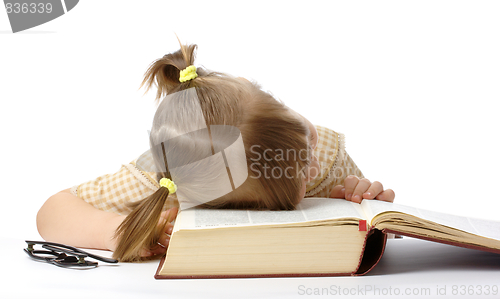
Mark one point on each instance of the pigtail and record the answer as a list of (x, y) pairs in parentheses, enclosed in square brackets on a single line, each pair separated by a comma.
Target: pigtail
[(141, 228), (165, 72)]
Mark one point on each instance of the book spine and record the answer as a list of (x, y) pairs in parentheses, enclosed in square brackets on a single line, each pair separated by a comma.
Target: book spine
[(372, 252)]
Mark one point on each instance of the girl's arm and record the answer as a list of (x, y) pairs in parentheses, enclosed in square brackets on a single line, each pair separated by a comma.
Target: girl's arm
[(67, 219)]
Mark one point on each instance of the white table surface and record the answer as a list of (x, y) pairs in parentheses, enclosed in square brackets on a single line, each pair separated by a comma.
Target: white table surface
[(426, 269)]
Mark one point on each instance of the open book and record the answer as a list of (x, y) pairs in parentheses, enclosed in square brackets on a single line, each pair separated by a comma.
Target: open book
[(323, 237)]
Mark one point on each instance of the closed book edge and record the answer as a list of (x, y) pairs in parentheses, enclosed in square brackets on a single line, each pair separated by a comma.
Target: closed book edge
[(373, 249)]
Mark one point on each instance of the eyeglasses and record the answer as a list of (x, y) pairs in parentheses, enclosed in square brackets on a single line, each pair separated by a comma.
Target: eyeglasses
[(63, 255)]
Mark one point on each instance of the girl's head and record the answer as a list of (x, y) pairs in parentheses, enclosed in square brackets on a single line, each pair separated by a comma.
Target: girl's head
[(278, 143)]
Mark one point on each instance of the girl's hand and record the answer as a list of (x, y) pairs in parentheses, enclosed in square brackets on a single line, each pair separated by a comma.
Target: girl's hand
[(356, 190), (161, 247)]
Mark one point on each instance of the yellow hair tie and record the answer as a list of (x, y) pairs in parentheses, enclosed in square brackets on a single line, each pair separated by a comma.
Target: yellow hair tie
[(169, 184), (188, 73)]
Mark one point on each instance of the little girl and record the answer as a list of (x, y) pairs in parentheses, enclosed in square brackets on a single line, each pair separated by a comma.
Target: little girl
[(285, 158)]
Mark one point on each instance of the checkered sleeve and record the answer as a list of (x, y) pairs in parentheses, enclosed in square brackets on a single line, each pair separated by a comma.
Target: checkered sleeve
[(113, 192), (349, 168), (335, 163)]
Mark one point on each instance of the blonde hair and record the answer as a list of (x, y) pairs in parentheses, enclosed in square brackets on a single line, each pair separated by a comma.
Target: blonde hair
[(264, 123)]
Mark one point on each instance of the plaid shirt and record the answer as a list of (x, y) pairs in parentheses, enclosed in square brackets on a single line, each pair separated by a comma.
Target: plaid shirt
[(334, 162), (112, 192)]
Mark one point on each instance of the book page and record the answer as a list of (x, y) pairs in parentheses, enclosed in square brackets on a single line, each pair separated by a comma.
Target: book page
[(374, 207), (310, 209), (484, 228), (316, 208)]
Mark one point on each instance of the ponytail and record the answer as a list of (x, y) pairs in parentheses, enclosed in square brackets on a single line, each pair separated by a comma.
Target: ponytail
[(165, 72), (141, 228)]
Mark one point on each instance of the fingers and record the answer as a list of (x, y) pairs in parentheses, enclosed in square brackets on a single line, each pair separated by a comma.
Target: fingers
[(374, 190), (170, 214), (361, 187), (338, 192), (358, 189), (354, 188), (158, 249), (164, 239), (161, 246), (387, 195), (350, 183), (155, 250)]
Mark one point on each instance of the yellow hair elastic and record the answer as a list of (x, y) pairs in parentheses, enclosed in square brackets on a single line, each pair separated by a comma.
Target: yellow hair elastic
[(188, 73), (169, 184)]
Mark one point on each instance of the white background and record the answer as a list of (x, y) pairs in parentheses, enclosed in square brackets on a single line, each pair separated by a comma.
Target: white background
[(414, 85)]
